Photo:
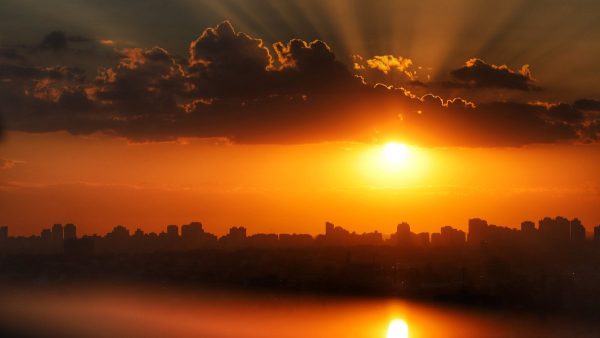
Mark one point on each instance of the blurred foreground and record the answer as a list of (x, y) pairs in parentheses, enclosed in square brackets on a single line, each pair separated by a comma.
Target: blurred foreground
[(104, 311)]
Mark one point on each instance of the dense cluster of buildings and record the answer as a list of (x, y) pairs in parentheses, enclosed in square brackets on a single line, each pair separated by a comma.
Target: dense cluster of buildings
[(58, 239)]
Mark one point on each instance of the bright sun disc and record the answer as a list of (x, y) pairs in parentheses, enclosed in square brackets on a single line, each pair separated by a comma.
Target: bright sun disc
[(397, 329), (395, 154)]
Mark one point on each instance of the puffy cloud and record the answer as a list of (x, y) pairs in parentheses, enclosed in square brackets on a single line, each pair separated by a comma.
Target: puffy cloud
[(387, 63), (146, 81), (476, 73), (309, 67), (234, 86), (224, 62), (388, 69)]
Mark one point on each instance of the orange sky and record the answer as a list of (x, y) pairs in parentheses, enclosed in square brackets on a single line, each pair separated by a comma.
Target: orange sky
[(100, 181)]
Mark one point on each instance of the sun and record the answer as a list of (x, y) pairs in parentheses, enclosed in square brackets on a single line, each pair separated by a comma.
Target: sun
[(395, 154), (393, 164), (397, 329)]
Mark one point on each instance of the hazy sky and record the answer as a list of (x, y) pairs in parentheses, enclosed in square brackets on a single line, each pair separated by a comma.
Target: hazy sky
[(155, 112)]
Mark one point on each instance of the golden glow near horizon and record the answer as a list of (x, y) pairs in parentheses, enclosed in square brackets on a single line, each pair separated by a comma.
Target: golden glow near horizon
[(57, 177), (397, 329), (394, 164)]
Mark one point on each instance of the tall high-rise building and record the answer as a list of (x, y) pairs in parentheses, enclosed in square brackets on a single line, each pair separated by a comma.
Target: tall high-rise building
[(57, 232), (118, 233), (528, 227), (3, 232), (70, 231), (329, 228), (403, 234), (46, 235), (452, 237), (556, 230), (477, 231), (577, 231), (237, 232), (192, 231), (139, 234), (172, 231)]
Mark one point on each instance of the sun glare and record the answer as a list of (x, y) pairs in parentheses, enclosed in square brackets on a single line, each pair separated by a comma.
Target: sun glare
[(397, 329), (394, 164), (395, 154)]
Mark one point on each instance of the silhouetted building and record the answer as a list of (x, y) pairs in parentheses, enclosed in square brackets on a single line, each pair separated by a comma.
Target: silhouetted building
[(193, 236), (263, 240), (118, 233), (436, 239), (452, 237), (192, 231), (172, 231), (46, 235), (422, 239), (329, 228), (477, 231), (370, 238), (556, 230), (553, 232), (577, 231), (403, 234), (78, 247), (528, 227), (138, 234), (237, 233), (57, 232), (335, 235), (403, 237), (235, 238), (295, 240), (70, 231)]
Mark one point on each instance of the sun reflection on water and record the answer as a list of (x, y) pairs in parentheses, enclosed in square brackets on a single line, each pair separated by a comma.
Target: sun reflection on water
[(397, 329)]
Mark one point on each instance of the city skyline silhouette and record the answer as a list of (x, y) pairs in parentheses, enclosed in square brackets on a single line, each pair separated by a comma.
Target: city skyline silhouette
[(556, 232)]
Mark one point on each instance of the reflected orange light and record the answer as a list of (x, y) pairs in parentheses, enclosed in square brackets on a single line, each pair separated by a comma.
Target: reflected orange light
[(397, 329)]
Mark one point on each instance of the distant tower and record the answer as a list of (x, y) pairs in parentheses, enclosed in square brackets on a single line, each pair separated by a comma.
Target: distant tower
[(597, 234), (403, 228), (477, 231), (403, 235), (528, 227), (46, 235), (57, 232), (237, 233), (192, 231), (172, 231), (556, 230), (119, 232), (70, 231), (139, 233), (577, 231), (3, 232), (329, 228)]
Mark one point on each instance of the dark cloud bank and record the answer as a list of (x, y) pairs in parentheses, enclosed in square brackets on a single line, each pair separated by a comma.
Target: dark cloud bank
[(232, 85)]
